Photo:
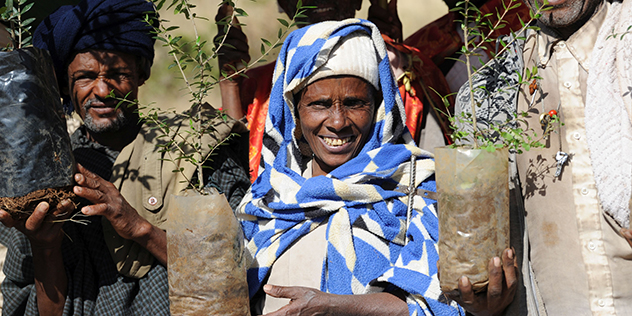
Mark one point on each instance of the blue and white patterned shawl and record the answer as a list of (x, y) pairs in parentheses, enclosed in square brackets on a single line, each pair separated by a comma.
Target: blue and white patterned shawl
[(366, 229)]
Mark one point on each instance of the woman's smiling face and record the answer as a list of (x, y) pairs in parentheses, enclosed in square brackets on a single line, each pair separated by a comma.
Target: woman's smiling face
[(336, 117)]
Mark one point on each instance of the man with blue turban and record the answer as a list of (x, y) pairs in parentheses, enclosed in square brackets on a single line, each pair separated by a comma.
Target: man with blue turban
[(115, 263)]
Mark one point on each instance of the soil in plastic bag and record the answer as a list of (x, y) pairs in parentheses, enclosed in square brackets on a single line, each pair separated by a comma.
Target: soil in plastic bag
[(205, 247), (22, 207), (36, 150), (473, 213)]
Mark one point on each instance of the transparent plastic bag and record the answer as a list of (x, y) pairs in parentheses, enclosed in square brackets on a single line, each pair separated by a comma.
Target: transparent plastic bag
[(473, 187), (206, 263)]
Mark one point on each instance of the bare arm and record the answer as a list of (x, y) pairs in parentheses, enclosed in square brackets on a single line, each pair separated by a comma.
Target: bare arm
[(308, 301), (109, 203), (231, 57), (386, 19)]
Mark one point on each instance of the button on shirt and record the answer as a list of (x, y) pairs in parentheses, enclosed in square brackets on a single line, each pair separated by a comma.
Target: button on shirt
[(582, 265)]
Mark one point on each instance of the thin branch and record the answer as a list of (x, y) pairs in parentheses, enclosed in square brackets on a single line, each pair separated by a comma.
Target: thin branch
[(466, 32), (270, 48), (513, 39), (230, 25)]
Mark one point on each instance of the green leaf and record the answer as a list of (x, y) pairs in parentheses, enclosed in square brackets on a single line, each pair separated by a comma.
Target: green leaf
[(528, 74), (240, 12), (26, 8), (284, 22), (28, 21)]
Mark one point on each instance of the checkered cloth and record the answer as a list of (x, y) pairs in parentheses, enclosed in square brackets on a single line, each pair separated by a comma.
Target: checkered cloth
[(366, 229), (94, 285)]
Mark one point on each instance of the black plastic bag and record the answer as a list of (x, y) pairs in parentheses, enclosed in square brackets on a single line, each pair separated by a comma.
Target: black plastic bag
[(36, 150)]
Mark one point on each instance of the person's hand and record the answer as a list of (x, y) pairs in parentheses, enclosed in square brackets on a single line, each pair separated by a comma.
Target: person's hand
[(500, 290), (627, 234), (43, 227), (304, 301), (387, 20), (108, 202), (234, 48)]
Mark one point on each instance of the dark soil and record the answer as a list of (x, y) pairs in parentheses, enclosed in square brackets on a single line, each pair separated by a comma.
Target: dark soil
[(22, 207)]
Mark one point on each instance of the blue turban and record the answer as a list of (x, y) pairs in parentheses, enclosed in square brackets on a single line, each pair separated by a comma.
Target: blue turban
[(117, 25)]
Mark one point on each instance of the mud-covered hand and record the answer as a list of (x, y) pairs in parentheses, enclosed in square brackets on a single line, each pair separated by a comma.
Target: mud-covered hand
[(386, 19), (234, 45), (43, 227), (108, 202), (500, 289)]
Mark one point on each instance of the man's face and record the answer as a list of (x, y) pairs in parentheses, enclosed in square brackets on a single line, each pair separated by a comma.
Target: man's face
[(92, 75), (566, 13), (326, 10)]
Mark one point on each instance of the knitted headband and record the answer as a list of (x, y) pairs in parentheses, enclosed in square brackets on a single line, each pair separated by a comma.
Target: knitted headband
[(354, 55)]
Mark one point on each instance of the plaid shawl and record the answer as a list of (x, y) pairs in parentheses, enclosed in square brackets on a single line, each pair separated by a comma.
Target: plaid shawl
[(366, 229)]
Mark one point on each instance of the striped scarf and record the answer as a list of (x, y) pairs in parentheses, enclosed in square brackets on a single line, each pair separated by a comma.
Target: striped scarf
[(366, 227)]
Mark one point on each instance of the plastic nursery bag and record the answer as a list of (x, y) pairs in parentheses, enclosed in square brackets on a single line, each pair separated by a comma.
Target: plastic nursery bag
[(37, 162), (205, 247), (473, 187)]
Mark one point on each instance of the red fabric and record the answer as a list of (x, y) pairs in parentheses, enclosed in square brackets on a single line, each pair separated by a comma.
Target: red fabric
[(439, 39), (422, 73), (255, 97)]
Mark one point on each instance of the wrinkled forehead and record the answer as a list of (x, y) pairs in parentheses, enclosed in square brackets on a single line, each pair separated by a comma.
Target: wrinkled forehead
[(92, 60)]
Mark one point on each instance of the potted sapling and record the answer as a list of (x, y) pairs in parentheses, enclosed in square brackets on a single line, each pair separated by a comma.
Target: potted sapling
[(37, 164), (473, 173), (205, 247)]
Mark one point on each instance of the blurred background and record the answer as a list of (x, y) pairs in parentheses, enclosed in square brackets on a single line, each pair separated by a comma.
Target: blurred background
[(166, 90), (260, 23)]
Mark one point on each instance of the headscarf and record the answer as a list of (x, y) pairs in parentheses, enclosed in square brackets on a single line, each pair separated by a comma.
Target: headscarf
[(366, 222), (117, 25)]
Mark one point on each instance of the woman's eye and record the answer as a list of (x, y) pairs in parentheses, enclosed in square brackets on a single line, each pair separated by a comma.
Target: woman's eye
[(354, 104), (318, 105)]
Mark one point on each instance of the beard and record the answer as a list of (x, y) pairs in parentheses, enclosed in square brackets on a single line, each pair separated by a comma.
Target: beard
[(122, 120), (570, 14)]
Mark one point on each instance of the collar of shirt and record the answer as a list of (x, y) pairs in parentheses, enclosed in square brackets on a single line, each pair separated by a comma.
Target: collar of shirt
[(580, 44)]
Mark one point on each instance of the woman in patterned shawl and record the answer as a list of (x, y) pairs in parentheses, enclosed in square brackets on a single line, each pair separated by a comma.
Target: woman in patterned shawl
[(329, 209)]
